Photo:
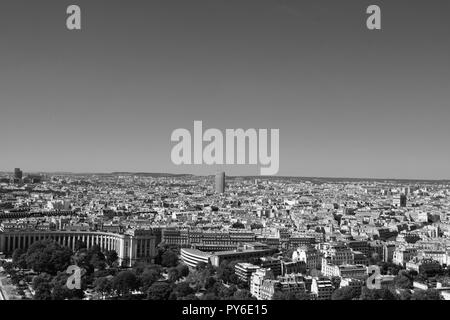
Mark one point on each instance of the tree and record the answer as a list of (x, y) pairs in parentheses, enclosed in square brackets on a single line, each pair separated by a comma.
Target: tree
[(377, 294), (226, 293), (255, 225), (198, 278), (430, 294), (234, 279), (141, 266), (190, 297), (210, 296), (19, 259), (96, 258), (225, 271), (125, 282), (39, 279), (183, 270), (42, 287), (90, 259), (243, 295), (405, 295), (182, 290), (336, 282), (238, 225), (148, 277), (159, 291), (279, 295), (79, 244), (345, 293), (162, 250), (15, 278), (374, 258), (389, 268), (403, 280), (21, 292), (288, 253), (111, 257), (97, 262), (8, 267), (432, 273), (81, 259), (48, 256), (102, 273), (169, 259), (60, 290), (210, 282), (43, 291), (173, 274), (103, 285), (201, 266)]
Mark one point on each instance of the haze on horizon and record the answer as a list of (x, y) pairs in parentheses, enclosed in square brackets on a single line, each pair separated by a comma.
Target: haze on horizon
[(349, 102)]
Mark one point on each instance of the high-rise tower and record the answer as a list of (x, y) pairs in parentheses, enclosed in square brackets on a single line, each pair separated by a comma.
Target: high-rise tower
[(220, 182), (18, 174)]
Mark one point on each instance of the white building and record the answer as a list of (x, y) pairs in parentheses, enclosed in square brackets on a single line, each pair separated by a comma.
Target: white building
[(344, 271)]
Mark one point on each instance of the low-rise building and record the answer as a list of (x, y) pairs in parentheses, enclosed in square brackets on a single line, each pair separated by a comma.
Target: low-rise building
[(245, 270), (309, 255), (423, 265), (403, 255), (344, 271), (321, 289), (355, 284), (257, 281)]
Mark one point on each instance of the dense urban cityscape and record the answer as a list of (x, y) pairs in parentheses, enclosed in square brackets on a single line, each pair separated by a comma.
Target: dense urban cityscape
[(185, 237)]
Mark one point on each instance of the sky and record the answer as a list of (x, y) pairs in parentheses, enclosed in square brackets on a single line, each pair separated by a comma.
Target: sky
[(348, 101)]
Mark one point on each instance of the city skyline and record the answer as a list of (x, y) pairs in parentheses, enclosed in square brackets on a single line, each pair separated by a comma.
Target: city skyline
[(281, 240), (212, 174)]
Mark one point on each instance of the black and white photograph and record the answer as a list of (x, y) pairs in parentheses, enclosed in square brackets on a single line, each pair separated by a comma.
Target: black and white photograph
[(224, 157)]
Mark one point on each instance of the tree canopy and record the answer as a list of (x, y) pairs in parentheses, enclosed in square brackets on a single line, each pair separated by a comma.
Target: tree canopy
[(48, 256)]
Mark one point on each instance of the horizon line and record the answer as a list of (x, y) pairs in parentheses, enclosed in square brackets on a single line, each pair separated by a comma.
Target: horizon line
[(211, 174)]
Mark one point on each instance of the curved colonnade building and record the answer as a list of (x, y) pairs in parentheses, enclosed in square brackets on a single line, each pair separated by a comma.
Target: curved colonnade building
[(132, 246)]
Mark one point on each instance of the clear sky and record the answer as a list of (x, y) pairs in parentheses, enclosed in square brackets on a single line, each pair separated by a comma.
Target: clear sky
[(349, 102)]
